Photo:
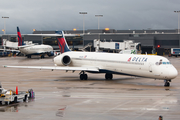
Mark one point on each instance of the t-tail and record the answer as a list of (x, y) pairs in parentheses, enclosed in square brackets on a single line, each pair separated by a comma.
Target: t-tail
[(20, 42), (63, 46)]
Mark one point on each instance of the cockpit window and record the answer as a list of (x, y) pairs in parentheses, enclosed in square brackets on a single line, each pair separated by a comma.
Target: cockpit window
[(163, 63)]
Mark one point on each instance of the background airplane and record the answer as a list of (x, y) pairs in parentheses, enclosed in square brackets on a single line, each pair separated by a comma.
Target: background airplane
[(156, 67), (33, 49)]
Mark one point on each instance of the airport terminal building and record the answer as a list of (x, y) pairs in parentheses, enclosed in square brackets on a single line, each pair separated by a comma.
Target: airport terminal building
[(151, 40)]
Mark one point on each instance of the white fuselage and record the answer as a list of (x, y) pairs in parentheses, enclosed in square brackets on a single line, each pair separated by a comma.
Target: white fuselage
[(35, 49), (156, 67)]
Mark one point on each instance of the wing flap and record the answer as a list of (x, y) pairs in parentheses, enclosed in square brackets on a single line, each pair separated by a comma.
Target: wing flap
[(56, 68)]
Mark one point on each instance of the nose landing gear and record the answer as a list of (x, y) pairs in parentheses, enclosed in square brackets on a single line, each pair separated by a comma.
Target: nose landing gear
[(108, 76), (167, 83)]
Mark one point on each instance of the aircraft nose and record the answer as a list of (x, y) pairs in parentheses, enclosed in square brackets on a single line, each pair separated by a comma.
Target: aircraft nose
[(173, 73)]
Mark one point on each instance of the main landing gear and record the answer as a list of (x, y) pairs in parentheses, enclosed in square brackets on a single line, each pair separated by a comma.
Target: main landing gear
[(28, 56), (108, 76), (167, 83), (42, 56), (83, 76)]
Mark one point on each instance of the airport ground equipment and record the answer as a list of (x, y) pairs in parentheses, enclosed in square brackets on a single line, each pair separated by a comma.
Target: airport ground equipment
[(174, 52), (4, 53), (118, 46), (9, 96)]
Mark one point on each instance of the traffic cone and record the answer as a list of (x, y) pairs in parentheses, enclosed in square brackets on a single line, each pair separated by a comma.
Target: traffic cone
[(16, 90)]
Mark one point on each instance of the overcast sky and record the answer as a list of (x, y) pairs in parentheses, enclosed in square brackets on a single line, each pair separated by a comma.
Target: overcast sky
[(64, 14)]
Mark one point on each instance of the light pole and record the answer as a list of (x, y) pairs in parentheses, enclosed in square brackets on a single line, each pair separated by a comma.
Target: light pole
[(5, 24), (178, 19), (98, 18), (83, 13)]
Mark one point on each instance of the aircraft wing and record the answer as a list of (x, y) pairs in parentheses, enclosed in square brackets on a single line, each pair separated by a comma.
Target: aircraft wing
[(95, 69)]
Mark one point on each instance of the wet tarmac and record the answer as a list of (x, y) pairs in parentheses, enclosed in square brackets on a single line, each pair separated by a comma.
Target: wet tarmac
[(60, 95)]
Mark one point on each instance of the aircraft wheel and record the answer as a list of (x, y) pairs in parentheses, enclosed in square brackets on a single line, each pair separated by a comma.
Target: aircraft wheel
[(108, 76), (42, 56), (167, 84), (85, 76), (81, 77)]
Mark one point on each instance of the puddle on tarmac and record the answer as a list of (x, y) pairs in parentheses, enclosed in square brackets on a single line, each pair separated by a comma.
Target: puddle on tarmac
[(66, 95), (14, 107), (66, 88)]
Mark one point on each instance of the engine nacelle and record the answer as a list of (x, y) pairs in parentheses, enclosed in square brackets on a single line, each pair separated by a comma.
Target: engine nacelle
[(62, 60)]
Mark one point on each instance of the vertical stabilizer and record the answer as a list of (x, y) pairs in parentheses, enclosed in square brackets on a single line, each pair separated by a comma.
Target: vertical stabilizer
[(20, 42), (62, 43)]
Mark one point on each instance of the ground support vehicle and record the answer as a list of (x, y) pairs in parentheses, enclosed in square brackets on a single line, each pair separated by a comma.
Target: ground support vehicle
[(174, 52), (9, 96)]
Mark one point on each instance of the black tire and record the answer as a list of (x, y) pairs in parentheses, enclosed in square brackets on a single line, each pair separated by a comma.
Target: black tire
[(25, 98), (81, 77), (15, 100), (30, 94), (7, 103), (85, 77), (29, 56), (108, 76), (167, 84), (42, 56)]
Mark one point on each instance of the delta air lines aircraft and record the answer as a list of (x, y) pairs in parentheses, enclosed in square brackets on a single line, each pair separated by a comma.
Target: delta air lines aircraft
[(30, 50), (148, 66)]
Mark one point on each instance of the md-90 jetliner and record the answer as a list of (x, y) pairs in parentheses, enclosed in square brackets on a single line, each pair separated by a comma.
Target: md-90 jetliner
[(148, 66), (29, 50)]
